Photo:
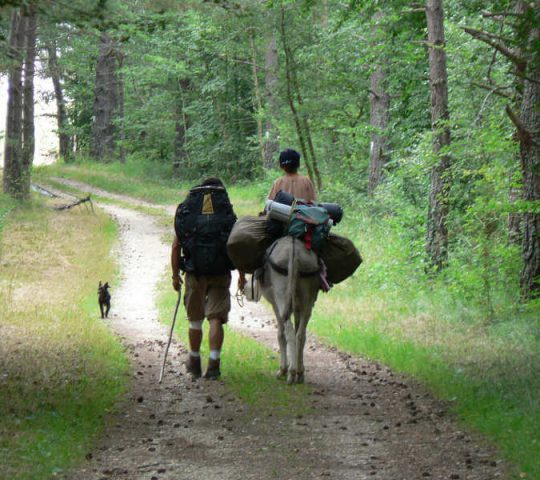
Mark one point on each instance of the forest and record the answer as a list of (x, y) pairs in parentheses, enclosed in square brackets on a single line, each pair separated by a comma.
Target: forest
[(421, 119)]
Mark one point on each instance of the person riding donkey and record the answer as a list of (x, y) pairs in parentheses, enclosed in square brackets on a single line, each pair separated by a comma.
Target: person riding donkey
[(203, 222), (292, 182)]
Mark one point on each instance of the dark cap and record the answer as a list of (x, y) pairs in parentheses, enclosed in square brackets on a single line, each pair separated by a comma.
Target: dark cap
[(289, 158)]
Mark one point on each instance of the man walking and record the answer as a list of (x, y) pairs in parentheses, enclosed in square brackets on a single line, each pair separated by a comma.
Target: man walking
[(203, 222)]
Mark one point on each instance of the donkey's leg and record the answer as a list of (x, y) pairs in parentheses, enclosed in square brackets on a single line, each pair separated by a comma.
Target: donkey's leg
[(307, 297), (290, 337), (300, 343), (282, 372), (282, 342)]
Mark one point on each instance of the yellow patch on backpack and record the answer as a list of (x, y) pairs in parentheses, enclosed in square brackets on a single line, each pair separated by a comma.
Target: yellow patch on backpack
[(208, 207)]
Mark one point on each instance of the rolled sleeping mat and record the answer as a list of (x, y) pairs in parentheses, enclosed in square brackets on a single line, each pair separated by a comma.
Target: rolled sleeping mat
[(278, 211), (334, 210)]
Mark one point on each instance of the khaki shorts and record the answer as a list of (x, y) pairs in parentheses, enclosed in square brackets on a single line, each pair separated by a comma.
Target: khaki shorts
[(207, 296)]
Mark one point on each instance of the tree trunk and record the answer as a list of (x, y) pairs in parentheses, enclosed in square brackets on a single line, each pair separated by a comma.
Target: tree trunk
[(20, 143), (257, 100), (437, 230), (106, 101), (290, 97), (65, 141), (379, 114), (515, 235), (301, 121), (28, 136), (529, 148), (119, 120), (13, 142), (181, 126), (271, 143)]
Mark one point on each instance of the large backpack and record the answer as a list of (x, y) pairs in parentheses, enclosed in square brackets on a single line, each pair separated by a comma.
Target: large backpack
[(311, 223), (203, 222)]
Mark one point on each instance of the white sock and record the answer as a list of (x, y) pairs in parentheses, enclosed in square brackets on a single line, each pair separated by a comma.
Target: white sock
[(195, 354), (214, 354)]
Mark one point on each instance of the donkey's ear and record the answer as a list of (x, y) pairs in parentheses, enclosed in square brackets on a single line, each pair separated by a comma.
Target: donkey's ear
[(99, 284)]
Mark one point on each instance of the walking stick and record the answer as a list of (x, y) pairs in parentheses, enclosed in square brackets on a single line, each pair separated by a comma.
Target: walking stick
[(170, 334)]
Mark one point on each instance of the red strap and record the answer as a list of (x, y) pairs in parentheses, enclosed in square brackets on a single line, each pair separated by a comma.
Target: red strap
[(308, 238)]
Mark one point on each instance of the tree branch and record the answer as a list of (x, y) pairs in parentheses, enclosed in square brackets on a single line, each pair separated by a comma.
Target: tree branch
[(487, 14), (496, 90), (415, 10), (524, 134), (495, 42)]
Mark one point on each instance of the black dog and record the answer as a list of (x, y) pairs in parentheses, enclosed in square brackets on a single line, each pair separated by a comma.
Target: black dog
[(104, 299)]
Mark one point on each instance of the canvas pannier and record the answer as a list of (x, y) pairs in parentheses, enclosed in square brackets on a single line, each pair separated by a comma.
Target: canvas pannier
[(248, 242), (341, 258)]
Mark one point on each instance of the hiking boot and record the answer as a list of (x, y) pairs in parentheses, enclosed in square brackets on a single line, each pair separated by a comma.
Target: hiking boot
[(212, 372), (193, 366)]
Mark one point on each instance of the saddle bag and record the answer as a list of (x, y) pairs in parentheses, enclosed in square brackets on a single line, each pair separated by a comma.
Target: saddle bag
[(248, 242), (341, 258)]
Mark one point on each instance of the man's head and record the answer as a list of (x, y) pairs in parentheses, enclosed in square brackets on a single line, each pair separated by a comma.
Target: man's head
[(289, 160), (212, 182)]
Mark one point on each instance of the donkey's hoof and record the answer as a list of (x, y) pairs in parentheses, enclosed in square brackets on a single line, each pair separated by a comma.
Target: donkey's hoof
[(291, 377), (281, 373), (300, 377)]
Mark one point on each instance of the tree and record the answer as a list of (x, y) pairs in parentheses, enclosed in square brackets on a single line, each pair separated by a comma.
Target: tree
[(524, 53), (20, 143), (65, 140), (108, 99), (296, 101), (437, 230), (379, 116), (271, 143)]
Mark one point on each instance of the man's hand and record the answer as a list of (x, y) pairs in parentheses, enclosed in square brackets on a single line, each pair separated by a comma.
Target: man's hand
[(241, 281), (176, 282)]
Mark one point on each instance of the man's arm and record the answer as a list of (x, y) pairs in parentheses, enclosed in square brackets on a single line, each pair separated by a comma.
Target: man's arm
[(175, 263)]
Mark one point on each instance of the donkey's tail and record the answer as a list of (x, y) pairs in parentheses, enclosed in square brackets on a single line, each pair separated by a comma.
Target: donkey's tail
[(293, 277)]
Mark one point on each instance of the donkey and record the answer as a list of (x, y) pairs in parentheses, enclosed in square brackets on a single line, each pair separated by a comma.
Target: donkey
[(290, 282)]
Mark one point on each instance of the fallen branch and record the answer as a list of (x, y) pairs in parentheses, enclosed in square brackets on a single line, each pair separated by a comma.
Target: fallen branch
[(79, 201), (44, 191)]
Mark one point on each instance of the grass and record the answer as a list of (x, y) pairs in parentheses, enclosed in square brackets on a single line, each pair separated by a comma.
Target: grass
[(485, 369), (480, 353), (61, 370), (247, 367)]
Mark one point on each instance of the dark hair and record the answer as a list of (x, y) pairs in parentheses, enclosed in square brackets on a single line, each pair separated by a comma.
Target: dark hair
[(289, 160), (212, 181)]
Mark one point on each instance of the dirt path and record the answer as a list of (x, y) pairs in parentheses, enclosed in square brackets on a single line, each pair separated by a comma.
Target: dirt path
[(365, 421)]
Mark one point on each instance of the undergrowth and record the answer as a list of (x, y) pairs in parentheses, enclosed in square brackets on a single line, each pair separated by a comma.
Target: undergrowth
[(61, 368)]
